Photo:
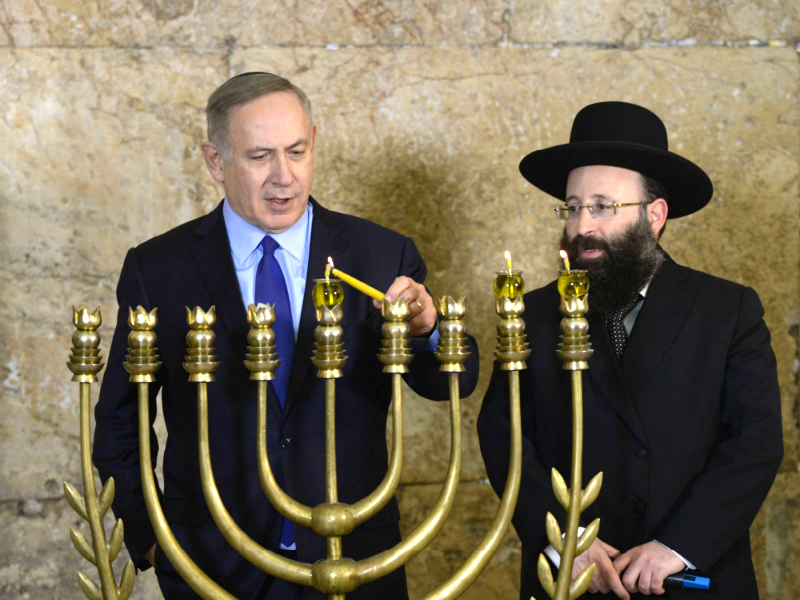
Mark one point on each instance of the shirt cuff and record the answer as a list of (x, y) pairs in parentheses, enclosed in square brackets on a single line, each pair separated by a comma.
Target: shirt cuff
[(554, 556), (689, 565), (426, 344)]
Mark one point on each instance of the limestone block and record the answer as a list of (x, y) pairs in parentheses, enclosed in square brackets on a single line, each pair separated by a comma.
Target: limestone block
[(36, 563), (775, 540), (471, 518), (101, 152), (208, 24), (428, 142)]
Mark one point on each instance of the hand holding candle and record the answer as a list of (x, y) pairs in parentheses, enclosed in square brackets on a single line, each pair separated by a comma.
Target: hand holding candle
[(423, 313)]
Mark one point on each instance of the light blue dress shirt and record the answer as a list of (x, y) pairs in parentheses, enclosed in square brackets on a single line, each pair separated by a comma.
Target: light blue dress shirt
[(292, 256)]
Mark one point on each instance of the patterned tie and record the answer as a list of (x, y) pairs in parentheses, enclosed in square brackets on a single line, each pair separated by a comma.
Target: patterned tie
[(271, 287), (616, 327)]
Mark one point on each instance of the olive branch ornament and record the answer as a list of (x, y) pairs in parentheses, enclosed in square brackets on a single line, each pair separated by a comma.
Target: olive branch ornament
[(85, 363)]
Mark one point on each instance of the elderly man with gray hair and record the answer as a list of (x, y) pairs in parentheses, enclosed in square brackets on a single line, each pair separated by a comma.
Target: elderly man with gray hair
[(264, 242)]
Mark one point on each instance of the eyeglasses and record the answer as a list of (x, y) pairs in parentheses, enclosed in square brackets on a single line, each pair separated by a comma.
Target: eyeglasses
[(601, 210)]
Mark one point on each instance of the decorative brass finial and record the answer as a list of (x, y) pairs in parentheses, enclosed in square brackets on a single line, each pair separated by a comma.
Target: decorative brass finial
[(512, 349), (262, 358), (201, 360), (452, 350), (395, 353), (142, 360), (329, 355), (85, 360), (574, 349)]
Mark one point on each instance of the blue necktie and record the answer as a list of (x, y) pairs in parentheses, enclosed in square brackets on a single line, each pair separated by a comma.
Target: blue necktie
[(271, 287)]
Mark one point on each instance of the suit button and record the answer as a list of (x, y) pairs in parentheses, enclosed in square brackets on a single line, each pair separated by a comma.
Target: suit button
[(286, 442), (642, 453)]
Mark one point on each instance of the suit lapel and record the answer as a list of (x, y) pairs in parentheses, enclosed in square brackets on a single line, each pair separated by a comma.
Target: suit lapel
[(663, 313), (212, 254), (605, 372), (326, 240)]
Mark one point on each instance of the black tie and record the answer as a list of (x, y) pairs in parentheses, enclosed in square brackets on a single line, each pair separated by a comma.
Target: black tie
[(616, 328)]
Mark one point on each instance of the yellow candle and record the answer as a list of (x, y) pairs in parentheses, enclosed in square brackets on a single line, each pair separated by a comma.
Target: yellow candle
[(566, 259), (508, 260), (359, 285), (328, 268)]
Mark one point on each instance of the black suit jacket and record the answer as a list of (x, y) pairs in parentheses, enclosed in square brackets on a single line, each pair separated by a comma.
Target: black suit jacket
[(686, 429), (192, 265)]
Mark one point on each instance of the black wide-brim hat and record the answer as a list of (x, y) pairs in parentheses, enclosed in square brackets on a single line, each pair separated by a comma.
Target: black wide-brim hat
[(619, 134)]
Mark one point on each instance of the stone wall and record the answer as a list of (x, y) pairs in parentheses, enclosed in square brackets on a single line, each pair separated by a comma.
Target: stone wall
[(424, 111)]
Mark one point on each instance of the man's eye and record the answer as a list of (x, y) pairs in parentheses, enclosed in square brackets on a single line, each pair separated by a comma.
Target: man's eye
[(574, 209), (259, 157), (298, 153), (602, 207)]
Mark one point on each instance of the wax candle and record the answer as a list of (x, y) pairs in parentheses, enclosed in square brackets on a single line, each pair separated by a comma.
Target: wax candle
[(359, 285), (508, 260), (565, 258)]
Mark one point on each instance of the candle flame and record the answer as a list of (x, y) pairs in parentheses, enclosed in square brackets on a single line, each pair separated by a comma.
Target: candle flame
[(330, 261), (328, 268), (565, 258), (508, 255)]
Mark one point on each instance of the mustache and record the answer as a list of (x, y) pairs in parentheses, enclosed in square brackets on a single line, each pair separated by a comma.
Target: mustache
[(583, 242)]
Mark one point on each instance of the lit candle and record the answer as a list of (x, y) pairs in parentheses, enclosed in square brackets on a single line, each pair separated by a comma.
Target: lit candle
[(328, 268), (508, 260), (566, 259), (359, 285)]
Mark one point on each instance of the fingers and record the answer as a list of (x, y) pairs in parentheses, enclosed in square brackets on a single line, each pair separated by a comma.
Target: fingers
[(631, 577), (420, 304), (622, 561), (610, 550)]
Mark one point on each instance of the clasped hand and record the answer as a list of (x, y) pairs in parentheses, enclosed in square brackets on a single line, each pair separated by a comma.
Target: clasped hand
[(423, 312), (641, 569)]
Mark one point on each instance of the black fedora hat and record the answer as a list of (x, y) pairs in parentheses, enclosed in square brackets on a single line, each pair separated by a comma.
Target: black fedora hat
[(619, 134)]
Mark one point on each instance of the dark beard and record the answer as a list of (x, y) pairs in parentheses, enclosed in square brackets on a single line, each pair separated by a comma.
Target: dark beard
[(628, 263)]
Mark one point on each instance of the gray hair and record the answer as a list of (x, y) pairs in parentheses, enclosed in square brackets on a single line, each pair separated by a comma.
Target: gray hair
[(239, 90)]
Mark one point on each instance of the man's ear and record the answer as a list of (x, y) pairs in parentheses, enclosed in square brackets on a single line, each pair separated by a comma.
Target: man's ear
[(214, 161), (657, 212)]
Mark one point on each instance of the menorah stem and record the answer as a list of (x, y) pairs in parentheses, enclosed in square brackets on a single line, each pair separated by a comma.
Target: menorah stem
[(280, 500), (468, 572), (368, 507), (107, 583), (576, 488), (191, 573), (269, 562), (331, 487), (382, 564)]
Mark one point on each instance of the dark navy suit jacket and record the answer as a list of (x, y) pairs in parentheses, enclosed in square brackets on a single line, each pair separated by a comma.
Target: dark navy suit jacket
[(192, 266), (686, 428)]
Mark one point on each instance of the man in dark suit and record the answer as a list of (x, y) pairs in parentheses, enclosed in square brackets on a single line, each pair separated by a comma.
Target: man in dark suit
[(266, 241), (681, 401)]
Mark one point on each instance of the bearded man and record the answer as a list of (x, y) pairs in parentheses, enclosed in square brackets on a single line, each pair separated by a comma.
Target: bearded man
[(681, 400)]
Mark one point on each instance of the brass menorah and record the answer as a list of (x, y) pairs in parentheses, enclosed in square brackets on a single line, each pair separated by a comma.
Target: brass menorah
[(334, 575)]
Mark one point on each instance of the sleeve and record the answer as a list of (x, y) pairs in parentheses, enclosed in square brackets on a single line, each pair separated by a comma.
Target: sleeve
[(536, 496), (424, 376), (116, 437), (721, 502)]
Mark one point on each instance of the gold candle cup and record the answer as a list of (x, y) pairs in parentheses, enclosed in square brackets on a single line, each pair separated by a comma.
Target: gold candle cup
[(508, 284), (327, 292), (573, 284)]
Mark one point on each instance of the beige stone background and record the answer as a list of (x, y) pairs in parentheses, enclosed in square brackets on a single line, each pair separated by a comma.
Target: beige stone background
[(424, 110)]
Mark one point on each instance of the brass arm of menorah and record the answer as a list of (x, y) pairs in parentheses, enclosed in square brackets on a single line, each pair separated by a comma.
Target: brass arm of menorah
[(574, 350), (334, 575)]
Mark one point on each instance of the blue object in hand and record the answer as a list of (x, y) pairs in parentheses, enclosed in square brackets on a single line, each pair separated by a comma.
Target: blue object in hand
[(684, 580)]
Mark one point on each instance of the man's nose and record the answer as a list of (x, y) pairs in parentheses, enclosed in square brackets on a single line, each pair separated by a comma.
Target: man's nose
[(585, 224), (280, 173)]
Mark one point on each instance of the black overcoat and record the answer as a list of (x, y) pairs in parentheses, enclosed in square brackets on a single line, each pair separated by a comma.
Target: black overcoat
[(686, 429), (192, 266)]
